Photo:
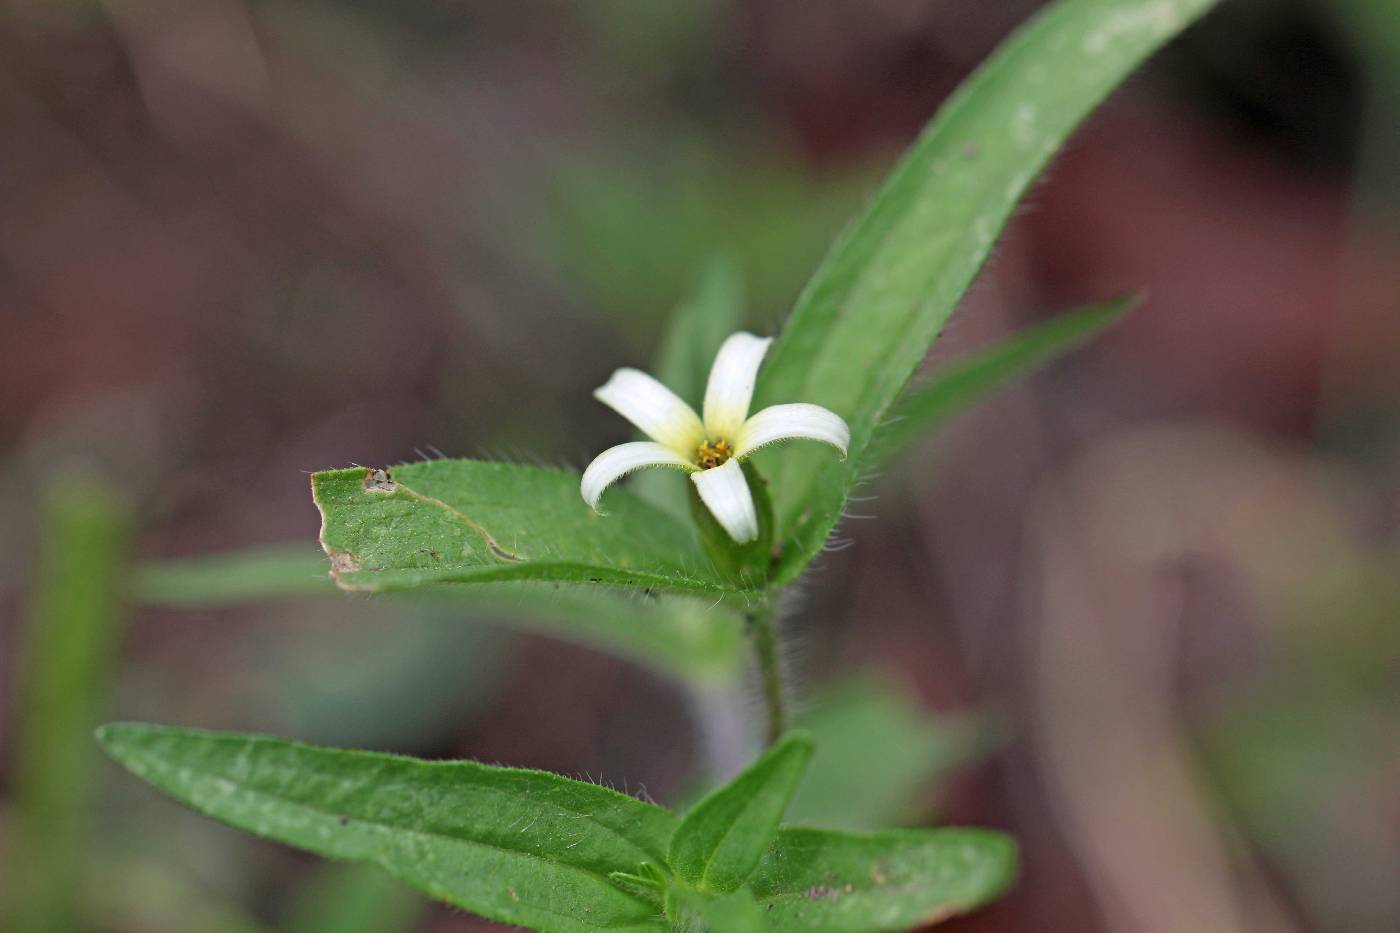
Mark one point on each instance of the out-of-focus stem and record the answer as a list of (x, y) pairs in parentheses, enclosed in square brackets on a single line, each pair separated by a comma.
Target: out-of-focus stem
[(74, 619), (763, 632)]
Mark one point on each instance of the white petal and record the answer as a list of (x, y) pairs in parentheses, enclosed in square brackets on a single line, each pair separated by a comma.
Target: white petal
[(726, 494), (616, 462), (655, 409), (730, 389), (788, 422)]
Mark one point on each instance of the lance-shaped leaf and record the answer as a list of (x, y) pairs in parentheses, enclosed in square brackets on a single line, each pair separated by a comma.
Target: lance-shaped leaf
[(721, 840), (963, 382), (521, 847), (868, 316), (820, 881), (690, 638), (698, 912), (447, 521), (233, 578)]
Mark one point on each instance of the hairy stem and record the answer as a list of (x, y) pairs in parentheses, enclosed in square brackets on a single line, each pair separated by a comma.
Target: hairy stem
[(763, 632)]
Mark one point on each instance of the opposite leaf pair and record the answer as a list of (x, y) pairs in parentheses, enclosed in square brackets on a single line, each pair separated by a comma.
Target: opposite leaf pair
[(562, 856)]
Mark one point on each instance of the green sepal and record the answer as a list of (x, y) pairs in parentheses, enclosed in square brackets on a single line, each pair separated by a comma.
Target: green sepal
[(746, 565)]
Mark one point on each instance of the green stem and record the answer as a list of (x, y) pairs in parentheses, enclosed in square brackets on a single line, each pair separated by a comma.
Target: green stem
[(763, 631)]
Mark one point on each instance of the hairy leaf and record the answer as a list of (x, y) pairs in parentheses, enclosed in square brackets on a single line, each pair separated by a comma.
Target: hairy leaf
[(819, 881), (963, 382), (522, 847), (872, 310), (460, 521), (721, 840)]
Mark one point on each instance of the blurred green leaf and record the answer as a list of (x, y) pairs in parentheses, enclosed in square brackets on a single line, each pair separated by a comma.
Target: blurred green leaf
[(463, 521), (816, 881), (870, 313), (70, 646), (354, 899), (875, 752), (965, 381), (701, 912), (630, 227), (720, 841), (693, 640), (690, 639), (711, 312), (229, 579), (521, 847)]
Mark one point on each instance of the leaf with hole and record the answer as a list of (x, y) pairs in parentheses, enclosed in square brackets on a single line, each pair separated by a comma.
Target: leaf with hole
[(462, 521)]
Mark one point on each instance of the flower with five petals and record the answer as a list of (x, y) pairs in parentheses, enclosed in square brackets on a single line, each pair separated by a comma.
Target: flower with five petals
[(710, 449)]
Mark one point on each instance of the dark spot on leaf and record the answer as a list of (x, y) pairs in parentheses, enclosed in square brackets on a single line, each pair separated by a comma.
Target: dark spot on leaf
[(379, 480), (345, 821), (343, 562)]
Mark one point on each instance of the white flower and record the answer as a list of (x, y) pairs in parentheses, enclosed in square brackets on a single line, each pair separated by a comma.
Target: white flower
[(710, 449)]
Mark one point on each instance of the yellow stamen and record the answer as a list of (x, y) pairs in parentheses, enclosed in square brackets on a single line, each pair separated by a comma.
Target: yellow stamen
[(712, 454)]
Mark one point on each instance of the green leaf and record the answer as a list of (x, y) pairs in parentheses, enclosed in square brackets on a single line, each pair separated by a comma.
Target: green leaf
[(699, 912), (963, 382), (521, 847), (692, 639), (875, 752), (233, 578), (461, 521), (719, 842), (868, 316), (72, 629), (629, 224), (818, 881)]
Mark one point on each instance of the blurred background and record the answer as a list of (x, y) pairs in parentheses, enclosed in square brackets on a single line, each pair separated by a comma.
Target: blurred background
[(1142, 610)]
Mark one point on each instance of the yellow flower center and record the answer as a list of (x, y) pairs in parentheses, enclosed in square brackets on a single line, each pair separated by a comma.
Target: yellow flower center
[(713, 453)]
